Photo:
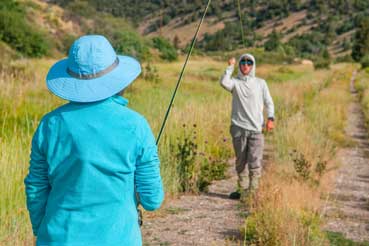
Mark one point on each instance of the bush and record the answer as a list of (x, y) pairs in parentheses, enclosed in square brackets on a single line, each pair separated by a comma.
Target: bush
[(185, 153), (308, 44), (196, 170), (166, 49), (130, 43), (275, 226), (150, 73), (273, 41), (15, 31), (210, 170), (82, 8), (306, 170), (321, 63), (365, 61), (121, 34), (346, 58)]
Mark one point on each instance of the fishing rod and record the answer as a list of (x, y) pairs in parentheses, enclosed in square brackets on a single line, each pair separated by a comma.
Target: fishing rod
[(181, 74), (140, 217)]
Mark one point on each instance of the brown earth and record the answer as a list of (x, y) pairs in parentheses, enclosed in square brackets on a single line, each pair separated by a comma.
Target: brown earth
[(207, 219)]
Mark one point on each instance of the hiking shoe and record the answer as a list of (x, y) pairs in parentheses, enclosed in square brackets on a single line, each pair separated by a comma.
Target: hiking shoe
[(235, 195)]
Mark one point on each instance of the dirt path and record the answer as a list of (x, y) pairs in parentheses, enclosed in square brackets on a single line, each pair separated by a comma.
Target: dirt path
[(348, 209), (207, 219)]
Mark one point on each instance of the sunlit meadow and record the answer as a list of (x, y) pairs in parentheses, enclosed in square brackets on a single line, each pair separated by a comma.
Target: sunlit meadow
[(310, 117)]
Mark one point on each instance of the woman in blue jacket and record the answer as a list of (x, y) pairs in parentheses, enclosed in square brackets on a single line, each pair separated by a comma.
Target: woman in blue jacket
[(92, 155)]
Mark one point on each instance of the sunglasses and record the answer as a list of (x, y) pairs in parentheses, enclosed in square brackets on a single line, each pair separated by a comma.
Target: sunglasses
[(246, 62)]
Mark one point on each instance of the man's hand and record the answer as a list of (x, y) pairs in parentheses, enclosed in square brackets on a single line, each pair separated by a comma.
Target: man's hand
[(269, 125), (34, 241), (232, 61)]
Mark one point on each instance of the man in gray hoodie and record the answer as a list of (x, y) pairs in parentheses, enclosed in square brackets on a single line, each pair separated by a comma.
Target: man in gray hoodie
[(249, 95)]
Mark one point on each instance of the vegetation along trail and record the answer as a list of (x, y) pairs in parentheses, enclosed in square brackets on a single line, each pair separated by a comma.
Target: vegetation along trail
[(348, 208), (305, 50), (210, 218)]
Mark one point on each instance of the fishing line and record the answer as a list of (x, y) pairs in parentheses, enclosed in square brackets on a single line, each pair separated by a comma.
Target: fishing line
[(181, 74)]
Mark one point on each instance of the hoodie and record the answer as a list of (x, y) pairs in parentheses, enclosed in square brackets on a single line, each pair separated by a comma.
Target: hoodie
[(249, 95)]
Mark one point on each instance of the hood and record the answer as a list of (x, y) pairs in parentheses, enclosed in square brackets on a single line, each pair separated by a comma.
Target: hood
[(253, 70)]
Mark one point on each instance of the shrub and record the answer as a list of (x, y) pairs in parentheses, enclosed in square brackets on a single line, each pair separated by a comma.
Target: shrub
[(186, 152), (210, 170), (360, 45), (365, 61), (82, 8), (15, 31), (321, 63), (273, 41), (166, 49), (271, 225), (150, 73), (195, 169), (130, 43), (346, 58), (306, 170)]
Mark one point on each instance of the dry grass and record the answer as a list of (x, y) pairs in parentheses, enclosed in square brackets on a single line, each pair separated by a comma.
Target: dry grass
[(201, 101), (288, 210), (24, 99), (362, 85)]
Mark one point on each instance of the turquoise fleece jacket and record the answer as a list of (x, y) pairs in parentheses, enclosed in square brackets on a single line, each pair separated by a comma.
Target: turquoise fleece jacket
[(87, 162)]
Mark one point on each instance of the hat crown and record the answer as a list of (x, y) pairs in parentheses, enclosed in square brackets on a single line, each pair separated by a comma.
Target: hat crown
[(90, 54)]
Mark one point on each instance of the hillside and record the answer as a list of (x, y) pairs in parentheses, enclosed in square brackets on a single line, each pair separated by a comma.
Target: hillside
[(309, 29), (336, 20), (35, 28)]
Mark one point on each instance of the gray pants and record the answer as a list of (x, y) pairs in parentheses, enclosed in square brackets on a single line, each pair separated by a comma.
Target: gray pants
[(248, 146)]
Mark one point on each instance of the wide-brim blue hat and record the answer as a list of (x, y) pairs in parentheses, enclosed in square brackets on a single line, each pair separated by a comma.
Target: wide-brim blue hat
[(92, 71)]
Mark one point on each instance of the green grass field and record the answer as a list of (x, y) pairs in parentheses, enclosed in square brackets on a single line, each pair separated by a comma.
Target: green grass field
[(310, 117)]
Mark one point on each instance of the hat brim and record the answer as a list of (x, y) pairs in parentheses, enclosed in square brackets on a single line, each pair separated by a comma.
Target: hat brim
[(73, 89)]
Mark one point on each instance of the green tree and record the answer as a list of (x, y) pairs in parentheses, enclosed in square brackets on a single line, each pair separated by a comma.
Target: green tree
[(18, 34), (361, 40), (273, 41), (168, 52)]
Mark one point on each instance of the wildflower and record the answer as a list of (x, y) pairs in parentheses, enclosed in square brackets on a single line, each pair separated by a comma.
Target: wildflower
[(184, 125), (224, 139), (206, 142), (194, 125)]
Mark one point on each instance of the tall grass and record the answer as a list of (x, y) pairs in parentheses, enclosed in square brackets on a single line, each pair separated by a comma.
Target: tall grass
[(362, 86), (300, 93), (24, 99), (311, 119)]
